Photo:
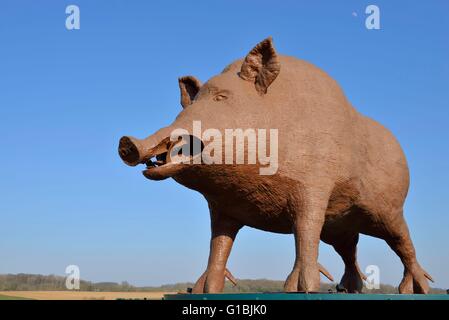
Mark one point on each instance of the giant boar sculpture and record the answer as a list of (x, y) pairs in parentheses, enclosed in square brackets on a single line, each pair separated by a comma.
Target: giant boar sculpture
[(331, 175)]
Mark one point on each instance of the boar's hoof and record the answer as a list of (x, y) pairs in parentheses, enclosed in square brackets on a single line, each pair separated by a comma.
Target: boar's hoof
[(213, 281), (415, 281), (352, 281), (340, 288), (291, 284)]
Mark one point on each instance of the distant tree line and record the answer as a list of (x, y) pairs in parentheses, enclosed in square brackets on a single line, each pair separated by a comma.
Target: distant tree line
[(37, 282)]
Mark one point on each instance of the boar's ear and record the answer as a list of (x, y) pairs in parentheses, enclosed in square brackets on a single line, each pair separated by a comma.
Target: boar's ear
[(189, 87), (261, 65)]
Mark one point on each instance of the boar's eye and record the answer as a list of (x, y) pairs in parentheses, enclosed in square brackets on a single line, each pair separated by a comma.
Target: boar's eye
[(220, 97)]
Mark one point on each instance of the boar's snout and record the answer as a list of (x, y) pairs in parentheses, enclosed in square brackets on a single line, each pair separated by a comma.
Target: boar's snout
[(129, 151)]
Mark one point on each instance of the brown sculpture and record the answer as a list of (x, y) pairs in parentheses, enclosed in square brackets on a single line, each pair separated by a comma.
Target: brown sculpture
[(339, 173)]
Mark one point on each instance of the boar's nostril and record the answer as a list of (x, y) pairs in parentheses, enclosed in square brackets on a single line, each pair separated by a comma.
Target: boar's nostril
[(128, 151)]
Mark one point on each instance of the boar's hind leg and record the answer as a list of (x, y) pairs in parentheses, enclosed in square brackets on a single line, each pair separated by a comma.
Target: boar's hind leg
[(308, 208), (224, 231), (346, 247), (395, 233)]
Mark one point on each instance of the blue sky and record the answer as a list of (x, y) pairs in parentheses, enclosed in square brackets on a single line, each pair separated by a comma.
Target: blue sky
[(66, 97)]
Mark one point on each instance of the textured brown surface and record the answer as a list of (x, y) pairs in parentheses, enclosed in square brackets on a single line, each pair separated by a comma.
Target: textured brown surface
[(340, 173)]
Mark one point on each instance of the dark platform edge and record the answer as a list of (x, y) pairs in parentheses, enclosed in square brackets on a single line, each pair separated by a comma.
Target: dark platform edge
[(303, 296)]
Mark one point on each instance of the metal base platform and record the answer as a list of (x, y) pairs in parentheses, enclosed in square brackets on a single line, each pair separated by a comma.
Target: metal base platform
[(304, 296)]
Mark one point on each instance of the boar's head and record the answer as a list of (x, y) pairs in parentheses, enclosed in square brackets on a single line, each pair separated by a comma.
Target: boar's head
[(232, 99)]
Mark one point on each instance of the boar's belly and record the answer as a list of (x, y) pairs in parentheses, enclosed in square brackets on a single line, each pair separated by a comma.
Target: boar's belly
[(263, 214)]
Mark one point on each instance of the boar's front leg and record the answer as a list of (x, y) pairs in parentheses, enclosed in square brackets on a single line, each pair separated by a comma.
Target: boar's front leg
[(224, 231), (308, 209)]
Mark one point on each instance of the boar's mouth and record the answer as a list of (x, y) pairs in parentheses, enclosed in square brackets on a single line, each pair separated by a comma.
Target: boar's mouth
[(157, 159), (161, 159)]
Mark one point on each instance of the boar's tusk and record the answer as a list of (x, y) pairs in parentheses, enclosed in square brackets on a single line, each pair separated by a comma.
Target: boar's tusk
[(230, 277), (325, 272)]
